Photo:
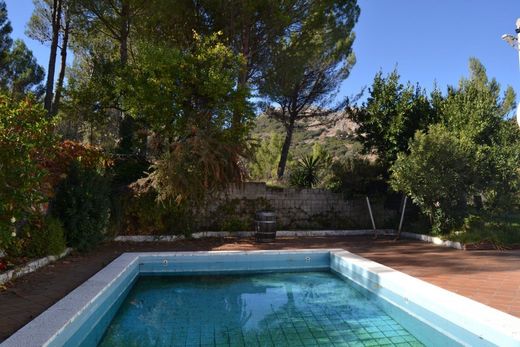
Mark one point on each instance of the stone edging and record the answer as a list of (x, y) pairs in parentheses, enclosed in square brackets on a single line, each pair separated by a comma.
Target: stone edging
[(31, 266), (435, 240), (282, 233), (292, 233)]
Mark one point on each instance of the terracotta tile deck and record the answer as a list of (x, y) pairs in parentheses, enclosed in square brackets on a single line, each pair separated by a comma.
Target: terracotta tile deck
[(490, 277)]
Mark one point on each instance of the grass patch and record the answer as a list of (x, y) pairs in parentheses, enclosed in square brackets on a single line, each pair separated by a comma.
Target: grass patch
[(501, 231)]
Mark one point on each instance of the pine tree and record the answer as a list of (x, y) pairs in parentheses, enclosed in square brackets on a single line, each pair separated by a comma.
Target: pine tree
[(5, 42)]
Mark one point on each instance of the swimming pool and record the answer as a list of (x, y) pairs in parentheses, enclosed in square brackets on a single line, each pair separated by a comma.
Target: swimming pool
[(274, 309), (263, 298)]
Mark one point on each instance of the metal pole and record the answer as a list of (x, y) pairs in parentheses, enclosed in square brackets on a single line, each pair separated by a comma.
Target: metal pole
[(402, 216), (371, 215)]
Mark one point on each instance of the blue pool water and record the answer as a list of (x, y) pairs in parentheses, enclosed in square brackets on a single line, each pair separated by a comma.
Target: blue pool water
[(273, 309)]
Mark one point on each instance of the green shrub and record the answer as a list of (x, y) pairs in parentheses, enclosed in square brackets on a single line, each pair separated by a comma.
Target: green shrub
[(266, 158), (141, 214), (128, 170), (497, 230), (354, 177), (47, 239), (236, 224), (26, 138), (82, 204), (56, 242), (439, 175), (38, 237)]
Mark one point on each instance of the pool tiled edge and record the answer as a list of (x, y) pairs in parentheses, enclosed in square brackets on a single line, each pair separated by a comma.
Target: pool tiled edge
[(463, 319), (466, 320)]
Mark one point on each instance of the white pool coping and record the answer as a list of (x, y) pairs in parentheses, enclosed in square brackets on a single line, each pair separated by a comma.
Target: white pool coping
[(486, 322), (483, 320)]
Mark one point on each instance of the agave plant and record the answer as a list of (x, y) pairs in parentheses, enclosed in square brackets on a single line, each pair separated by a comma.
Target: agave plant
[(307, 172)]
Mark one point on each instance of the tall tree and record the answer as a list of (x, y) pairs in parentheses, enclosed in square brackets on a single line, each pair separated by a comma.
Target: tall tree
[(188, 97), (19, 71), (308, 65), (114, 21), (254, 31), (41, 28), (391, 115), (55, 34), (5, 41), (474, 149), (24, 73), (63, 62), (476, 109)]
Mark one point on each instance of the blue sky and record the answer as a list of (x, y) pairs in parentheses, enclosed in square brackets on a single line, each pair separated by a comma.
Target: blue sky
[(428, 40)]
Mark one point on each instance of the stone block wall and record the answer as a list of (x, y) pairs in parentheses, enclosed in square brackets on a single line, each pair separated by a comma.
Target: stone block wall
[(295, 209)]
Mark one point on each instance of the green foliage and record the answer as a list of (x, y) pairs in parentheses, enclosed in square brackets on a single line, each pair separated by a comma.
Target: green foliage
[(391, 115), (46, 239), (497, 230), (336, 143), (127, 170), (200, 165), (475, 110), (438, 174), (89, 103), (306, 174), (472, 151), (5, 42), (188, 98), (23, 75), (356, 176), (267, 155), (25, 138), (19, 71), (142, 215), (37, 237), (55, 237), (307, 67), (82, 204), (309, 64), (178, 90)]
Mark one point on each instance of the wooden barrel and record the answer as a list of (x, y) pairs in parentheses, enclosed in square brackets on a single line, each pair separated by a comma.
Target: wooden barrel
[(265, 226)]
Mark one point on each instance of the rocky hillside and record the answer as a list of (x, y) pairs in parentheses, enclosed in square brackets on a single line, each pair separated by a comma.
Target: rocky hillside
[(335, 135)]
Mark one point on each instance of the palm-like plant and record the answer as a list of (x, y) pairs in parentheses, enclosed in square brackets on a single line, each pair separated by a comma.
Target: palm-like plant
[(307, 172)]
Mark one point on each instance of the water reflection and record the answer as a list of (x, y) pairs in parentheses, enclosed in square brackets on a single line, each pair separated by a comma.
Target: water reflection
[(251, 310)]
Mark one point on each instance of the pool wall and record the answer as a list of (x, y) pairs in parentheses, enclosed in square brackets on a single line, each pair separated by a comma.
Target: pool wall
[(72, 320), (464, 320)]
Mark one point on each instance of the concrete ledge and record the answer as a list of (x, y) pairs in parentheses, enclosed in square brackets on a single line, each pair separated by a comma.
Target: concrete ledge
[(281, 233), (319, 233), (291, 233), (31, 266), (435, 240)]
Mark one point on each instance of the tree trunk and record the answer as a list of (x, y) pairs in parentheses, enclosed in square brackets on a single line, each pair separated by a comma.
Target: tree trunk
[(126, 127), (285, 148), (124, 32), (244, 71), (61, 76), (56, 22)]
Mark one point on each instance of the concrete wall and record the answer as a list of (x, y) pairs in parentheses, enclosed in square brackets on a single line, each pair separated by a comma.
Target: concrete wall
[(295, 209)]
